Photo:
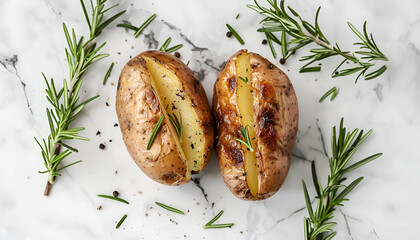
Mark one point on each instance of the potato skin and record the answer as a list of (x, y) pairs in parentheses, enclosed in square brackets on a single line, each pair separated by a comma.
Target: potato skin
[(138, 110), (276, 117)]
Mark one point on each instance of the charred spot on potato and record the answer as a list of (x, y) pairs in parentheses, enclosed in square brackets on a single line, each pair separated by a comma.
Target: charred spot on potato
[(171, 177), (270, 66), (267, 130), (233, 83), (266, 91), (152, 101), (180, 95), (254, 65), (266, 116), (235, 155)]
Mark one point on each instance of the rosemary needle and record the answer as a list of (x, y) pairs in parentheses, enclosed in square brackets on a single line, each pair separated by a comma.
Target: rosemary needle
[(211, 225), (235, 34), (225, 225), (121, 221), (237, 16), (154, 133), (333, 91), (244, 79), (165, 44), (177, 123), (108, 73), (128, 26), (113, 198), (169, 208), (174, 48), (144, 25)]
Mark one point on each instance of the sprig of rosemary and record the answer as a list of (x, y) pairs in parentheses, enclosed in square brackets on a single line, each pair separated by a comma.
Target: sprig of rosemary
[(113, 198), (247, 141), (318, 225), (223, 225), (155, 131), (333, 91), (121, 221), (165, 45), (233, 31), (177, 123), (296, 33), (169, 208), (65, 101)]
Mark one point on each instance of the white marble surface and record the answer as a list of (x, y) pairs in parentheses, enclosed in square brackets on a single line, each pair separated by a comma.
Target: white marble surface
[(385, 206)]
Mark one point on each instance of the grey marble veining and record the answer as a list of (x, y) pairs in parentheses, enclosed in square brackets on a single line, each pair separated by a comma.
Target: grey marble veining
[(384, 206)]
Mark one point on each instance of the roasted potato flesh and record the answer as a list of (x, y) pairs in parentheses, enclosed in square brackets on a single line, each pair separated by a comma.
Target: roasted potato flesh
[(175, 102), (245, 104)]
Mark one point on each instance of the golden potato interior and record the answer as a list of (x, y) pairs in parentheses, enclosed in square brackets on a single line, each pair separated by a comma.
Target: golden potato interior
[(246, 111), (173, 100)]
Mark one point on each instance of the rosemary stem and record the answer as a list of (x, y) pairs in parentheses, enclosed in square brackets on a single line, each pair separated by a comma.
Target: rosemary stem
[(326, 45)]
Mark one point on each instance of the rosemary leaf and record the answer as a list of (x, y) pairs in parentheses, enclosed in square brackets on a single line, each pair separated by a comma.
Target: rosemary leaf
[(144, 25), (245, 80), (128, 26), (235, 34), (113, 198), (211, 225), (155, 131), (169, 208), (121, 221), (332, 91), (108, 73)]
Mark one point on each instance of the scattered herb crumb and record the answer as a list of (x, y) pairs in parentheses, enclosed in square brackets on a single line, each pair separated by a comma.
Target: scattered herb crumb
[(102, 146), (98, 133), (99, 207), (107, 104), (116, 125)]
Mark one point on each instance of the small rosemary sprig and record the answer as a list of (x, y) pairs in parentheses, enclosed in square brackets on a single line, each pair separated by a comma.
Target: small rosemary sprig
[(65, 101), (296, 33), (318, 225), (121, 221), (247, 141), (223, 225), (113, 198), (169, 208), (177, 123), (155, 131), (165, 45)]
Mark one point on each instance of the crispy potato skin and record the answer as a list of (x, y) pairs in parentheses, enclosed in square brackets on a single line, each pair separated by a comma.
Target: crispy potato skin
[(138, 110), (276, 117)]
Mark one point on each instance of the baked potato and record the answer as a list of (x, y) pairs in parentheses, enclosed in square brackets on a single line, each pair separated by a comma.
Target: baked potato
[(256, 114), (155, 84)]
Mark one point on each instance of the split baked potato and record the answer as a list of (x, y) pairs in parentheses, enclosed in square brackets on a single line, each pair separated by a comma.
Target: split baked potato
[(256, 113), (155, 84)]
